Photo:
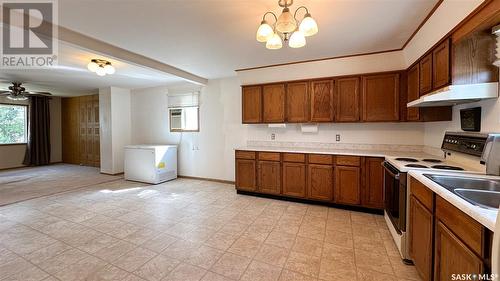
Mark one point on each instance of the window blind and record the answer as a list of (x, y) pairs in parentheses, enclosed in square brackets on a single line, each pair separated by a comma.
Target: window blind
[(183, 100)]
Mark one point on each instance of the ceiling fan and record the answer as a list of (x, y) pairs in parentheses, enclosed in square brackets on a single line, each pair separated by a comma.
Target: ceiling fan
[(18, 92)]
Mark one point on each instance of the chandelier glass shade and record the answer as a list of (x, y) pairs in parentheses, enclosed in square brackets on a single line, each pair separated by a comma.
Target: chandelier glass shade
[(286, 28), (101, 67)]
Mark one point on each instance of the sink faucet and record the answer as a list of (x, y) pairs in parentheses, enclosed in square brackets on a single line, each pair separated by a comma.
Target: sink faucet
[(491, 155)]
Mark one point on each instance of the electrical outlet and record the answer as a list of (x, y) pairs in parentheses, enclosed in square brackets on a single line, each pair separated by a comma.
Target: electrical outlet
[(337, 137), (273, 136)]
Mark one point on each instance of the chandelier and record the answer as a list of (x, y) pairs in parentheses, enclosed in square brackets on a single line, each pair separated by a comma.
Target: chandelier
[(286, 28), (101, 67)]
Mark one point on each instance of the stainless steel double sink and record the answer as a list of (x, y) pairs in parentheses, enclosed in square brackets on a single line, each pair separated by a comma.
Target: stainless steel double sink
[(481, 192)]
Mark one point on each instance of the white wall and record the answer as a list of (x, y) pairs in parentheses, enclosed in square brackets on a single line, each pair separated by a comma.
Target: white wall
[(210, 154), (115, 127), (325, 68), (490, 121), (12, 156), (445, 18)]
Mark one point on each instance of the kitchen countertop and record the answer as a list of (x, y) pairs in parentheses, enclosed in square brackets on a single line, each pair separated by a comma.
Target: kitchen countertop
[(484, 216), (357, 152)]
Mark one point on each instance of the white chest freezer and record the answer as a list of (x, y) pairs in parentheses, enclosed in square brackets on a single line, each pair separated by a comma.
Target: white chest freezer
[(150, 163)]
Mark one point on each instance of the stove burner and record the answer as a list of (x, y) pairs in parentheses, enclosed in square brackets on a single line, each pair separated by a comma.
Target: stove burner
[(406, 159), (432, 160), (446, 167), (415, 166)]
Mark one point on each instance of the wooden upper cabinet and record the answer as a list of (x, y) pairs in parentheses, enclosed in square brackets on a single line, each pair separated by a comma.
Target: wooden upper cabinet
[(297, 102), (380, 97), (426, 74), (347, 99), (269, 177), (294, 179), (246, 175), (452, 256), (373, 189), (251, 99), (273, 100), (421, 231), (347, 185), (441, 65), (413, 91), (320, 182), (322, 101)]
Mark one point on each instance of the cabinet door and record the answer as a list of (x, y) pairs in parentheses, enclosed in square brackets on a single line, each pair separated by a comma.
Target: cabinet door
[(452, 256), (426, 74), (269, 177), (441, 65), (322, 101), (297, 102), (294, 179), (347, 100), (251, 99), (246, 178), (413, 90), (380, 98), (421, 229), (373, 189), (347, 185), (273, 99), (320, 182)]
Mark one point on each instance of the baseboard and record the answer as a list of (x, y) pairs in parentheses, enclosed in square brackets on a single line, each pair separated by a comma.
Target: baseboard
[(111, 174), (206, 179), (24, 166)]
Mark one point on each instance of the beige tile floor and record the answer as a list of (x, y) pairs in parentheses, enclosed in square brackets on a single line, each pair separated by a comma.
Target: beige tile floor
[(190, 230)]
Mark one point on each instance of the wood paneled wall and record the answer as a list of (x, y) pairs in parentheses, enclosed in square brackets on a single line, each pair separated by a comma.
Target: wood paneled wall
[(80, 130)]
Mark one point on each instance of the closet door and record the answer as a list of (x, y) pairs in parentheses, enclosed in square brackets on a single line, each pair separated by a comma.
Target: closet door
[(82, 138), (96, 149)]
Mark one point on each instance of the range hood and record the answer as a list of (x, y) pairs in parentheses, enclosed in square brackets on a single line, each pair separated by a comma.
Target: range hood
[(457, 94)]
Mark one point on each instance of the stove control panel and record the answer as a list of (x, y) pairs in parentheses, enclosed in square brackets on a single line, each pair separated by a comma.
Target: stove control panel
[(468, 143)]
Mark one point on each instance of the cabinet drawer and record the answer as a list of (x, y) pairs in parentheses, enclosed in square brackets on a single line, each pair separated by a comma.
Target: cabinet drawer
[(348, 160), (269, 156), (294, 157), (320, 159), (467, 229), (422, 193), (245, 154)]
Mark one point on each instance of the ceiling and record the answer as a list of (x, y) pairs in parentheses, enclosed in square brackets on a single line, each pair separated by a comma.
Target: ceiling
[(71, 77), (212, 38)]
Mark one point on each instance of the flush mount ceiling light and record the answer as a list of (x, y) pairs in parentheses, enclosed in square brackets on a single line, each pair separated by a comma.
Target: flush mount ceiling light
[(286, 28), (101, 67)]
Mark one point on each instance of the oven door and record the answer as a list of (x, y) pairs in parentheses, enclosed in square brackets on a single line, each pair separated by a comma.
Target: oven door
[(393, 197)]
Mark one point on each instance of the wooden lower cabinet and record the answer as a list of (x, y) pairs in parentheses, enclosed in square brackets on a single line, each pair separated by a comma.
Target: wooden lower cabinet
[(294, 179), (269, 177), (443, 240), (452, 256), (320, 182), (347, 185), (373, 188), (246, 175), (342, 179), (421, 231)]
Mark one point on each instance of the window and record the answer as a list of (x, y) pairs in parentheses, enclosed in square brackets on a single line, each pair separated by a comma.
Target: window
[(183, 111), (13, 123), (184, 119)]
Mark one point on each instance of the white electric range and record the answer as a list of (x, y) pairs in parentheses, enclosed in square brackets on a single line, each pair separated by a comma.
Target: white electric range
[(396, 193)]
